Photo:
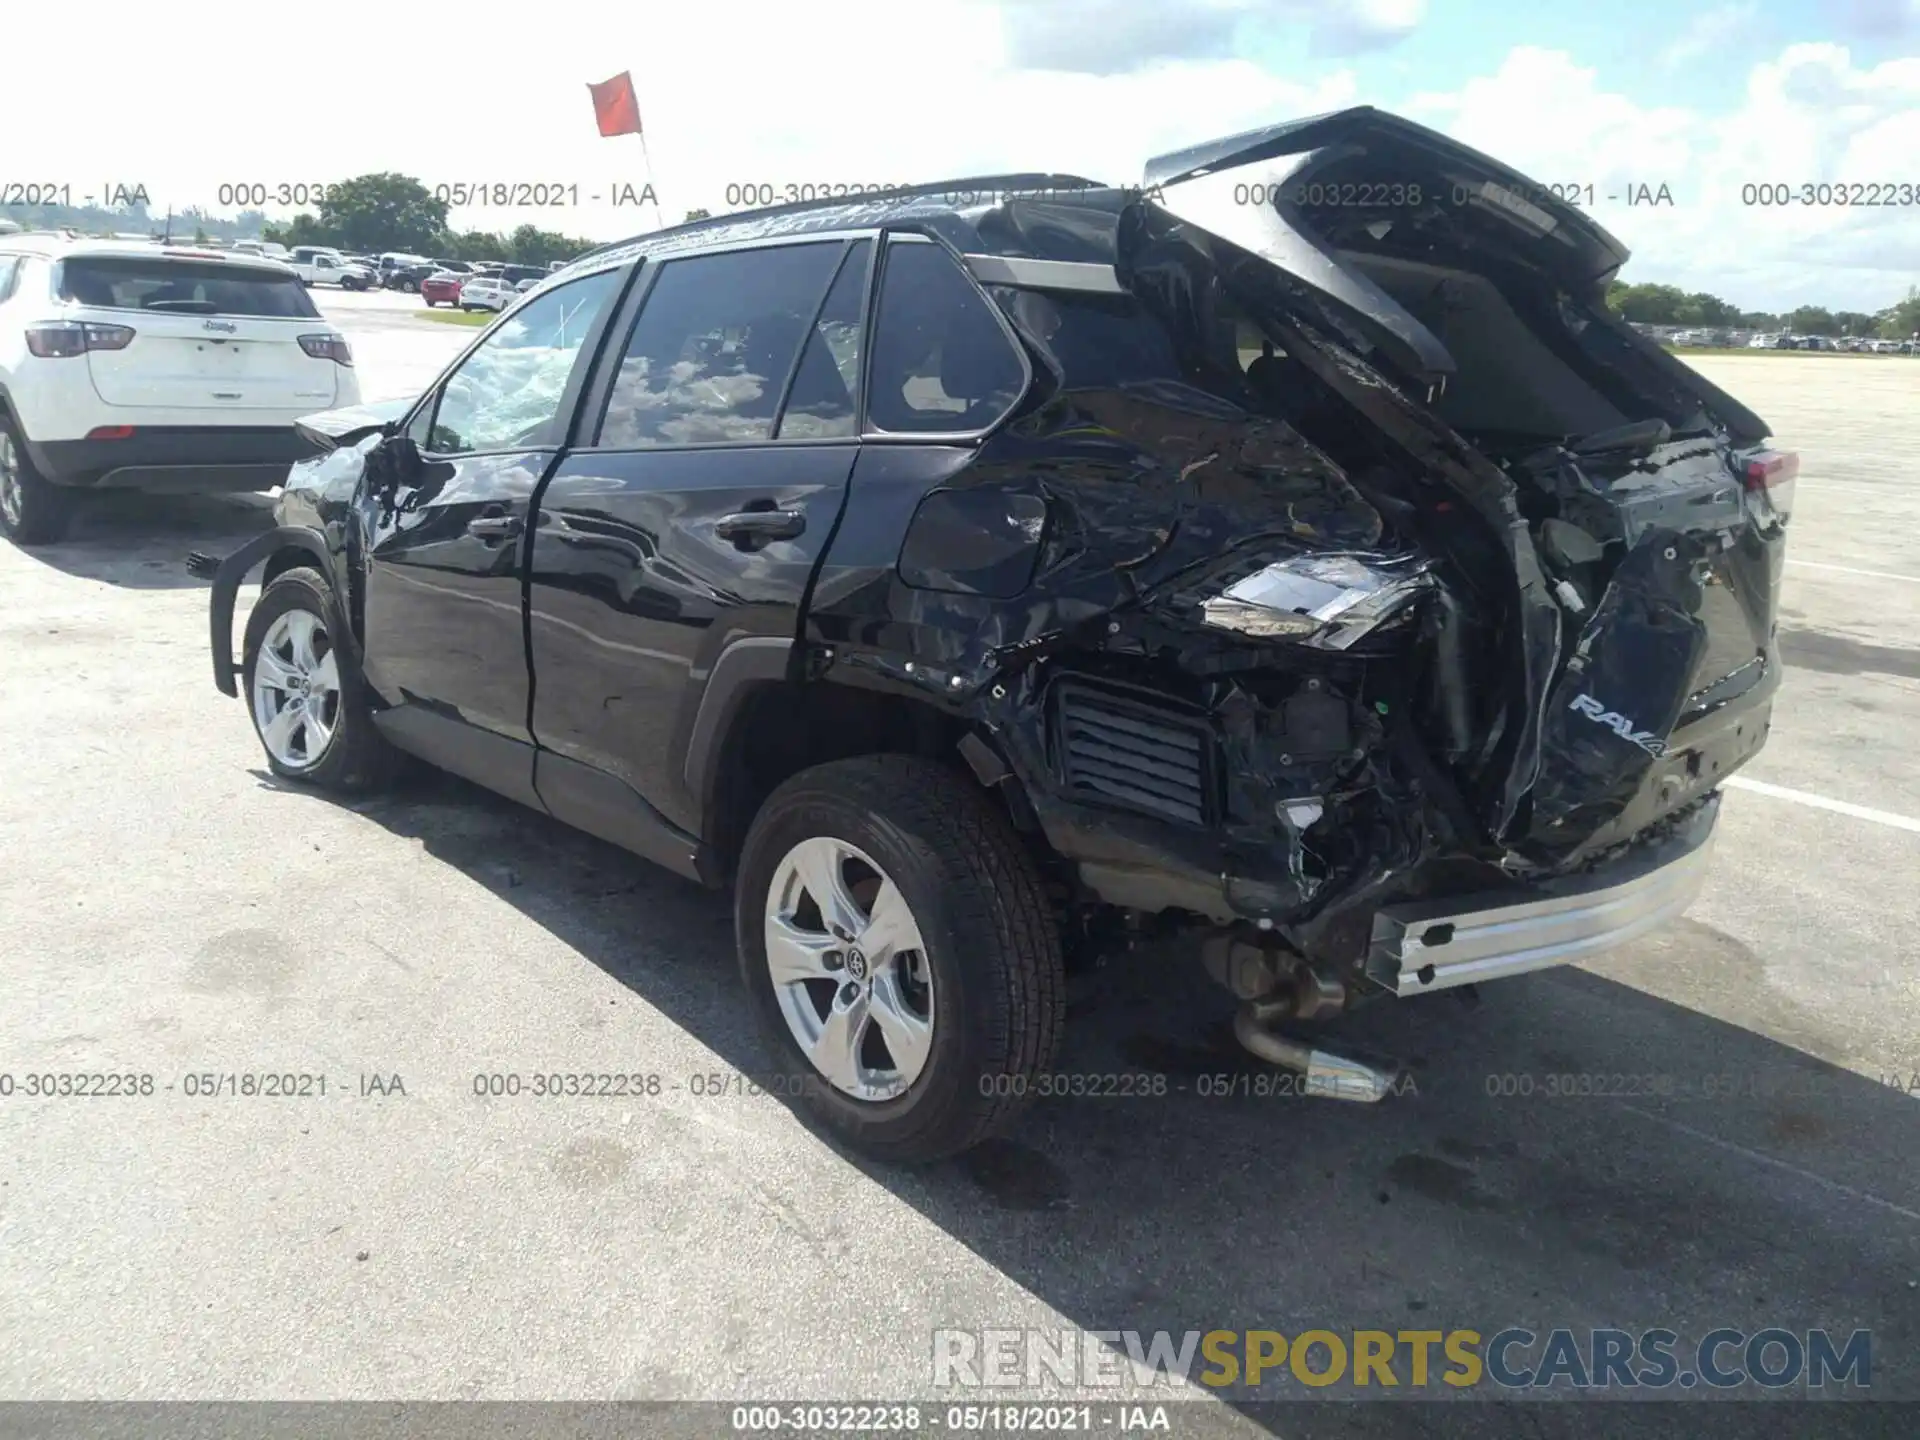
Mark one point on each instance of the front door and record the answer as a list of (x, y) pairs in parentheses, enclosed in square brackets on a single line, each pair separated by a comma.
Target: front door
[(693, 517), (445, 639)]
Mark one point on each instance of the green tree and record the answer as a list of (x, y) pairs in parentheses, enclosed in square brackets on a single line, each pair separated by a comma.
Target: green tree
[(534, 246), (473, 245), (385, 211), (303, 229), (1813, 320), (1648, 304), (1902, 321)]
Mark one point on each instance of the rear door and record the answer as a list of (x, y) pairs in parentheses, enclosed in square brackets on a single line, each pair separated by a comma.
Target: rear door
[(206, 336), (707, 487), (444, 640)]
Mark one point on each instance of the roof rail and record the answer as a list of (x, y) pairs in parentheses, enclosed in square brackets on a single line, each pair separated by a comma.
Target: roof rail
[(981, 185)]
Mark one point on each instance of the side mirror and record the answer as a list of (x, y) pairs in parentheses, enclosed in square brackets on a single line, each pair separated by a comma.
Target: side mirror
[(394, 464)]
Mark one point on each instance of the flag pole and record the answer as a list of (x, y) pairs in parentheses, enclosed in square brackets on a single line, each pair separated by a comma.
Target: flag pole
[(647, 161)]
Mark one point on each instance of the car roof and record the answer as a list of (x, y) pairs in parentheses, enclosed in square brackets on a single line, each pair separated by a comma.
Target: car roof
[(58, 246), (1039, 216)]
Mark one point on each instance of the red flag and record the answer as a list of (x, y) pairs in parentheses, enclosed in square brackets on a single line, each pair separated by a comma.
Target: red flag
[(615, 105)]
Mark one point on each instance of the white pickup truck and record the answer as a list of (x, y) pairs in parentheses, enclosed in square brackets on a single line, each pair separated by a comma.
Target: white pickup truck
[(317, 266)]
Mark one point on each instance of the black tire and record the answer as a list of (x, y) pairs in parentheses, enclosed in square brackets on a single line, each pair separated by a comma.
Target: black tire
[(990, 946), (357, 758), (34, 511)]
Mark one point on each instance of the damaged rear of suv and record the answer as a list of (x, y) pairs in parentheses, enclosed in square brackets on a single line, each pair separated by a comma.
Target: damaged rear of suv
[(1290, 551)]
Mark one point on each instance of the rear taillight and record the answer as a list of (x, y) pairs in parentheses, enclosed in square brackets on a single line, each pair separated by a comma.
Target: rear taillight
[(71, 337), (327, 347), (1771, 473), (110, 432)]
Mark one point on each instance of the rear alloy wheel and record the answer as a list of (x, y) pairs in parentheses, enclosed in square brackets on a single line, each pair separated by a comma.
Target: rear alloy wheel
[(899, 956), (849, 974), (308, 702), (33, 511)]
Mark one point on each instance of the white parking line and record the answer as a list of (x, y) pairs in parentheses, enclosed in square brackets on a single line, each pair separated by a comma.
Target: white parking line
[(1850, 570), (1760, 1157), (1821, 802)]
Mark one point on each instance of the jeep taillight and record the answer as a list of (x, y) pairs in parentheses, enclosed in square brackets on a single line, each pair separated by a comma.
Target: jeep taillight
[(72, 337), (1771, 473), (327, 347)]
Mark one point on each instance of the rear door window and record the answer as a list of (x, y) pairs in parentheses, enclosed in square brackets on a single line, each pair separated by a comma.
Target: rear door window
[(942, 361), (716, 340), (824, 401), (183, 287)]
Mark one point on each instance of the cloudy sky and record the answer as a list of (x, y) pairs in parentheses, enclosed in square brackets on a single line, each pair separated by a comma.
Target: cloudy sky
[(1703, 96)]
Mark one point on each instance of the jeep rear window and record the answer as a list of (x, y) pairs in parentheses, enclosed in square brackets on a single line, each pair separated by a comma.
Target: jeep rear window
[(187, 287)]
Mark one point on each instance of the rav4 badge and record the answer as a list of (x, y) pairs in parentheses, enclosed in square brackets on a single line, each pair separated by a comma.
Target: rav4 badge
[(1619, 724)]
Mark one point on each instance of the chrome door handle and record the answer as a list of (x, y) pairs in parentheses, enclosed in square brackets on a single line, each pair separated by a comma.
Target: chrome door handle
[(495, 527)]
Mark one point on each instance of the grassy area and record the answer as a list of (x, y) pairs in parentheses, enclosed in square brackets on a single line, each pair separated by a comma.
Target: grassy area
[(458, 317)]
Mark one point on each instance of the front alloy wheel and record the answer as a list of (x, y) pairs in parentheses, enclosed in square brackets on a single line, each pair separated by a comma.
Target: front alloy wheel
[(849, 969), (296, 691)]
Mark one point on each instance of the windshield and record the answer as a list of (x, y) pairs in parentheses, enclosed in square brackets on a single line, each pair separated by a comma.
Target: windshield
[(204, 287)]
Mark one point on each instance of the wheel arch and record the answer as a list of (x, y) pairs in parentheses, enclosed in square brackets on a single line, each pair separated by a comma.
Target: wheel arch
[(758, 727)]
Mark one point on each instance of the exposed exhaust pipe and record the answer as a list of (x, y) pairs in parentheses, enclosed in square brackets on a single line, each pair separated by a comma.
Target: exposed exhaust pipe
[(1334, 1077)]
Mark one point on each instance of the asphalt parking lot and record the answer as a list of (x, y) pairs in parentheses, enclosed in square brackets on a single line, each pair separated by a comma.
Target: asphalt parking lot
[(171, 909)]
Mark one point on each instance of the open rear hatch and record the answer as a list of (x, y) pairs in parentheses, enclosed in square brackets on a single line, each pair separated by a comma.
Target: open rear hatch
[(1641, 518)]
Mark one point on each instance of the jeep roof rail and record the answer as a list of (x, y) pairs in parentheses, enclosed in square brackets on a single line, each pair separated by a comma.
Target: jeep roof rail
[(975, 184)]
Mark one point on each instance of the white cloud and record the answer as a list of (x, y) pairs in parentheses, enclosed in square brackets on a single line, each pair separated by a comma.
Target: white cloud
[(1809, 116), (860, 91), (1111, 37), (856, 92), (1707, 33)]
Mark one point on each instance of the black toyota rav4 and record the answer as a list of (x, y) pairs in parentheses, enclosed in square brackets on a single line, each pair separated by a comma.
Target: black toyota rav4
[(1290, 549)]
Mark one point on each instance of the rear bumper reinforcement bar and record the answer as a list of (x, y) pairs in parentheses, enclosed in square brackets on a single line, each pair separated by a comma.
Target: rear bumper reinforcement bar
[(1434, 945)]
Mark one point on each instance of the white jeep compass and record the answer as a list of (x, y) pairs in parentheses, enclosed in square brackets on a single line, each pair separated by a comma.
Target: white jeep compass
[(131, 366)]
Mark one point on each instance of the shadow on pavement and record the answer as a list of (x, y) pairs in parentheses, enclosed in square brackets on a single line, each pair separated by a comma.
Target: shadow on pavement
[(140, 541), (1762, 1189)]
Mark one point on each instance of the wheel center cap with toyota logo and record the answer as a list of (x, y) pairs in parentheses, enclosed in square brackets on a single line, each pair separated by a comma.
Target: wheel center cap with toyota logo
[(856, 965)]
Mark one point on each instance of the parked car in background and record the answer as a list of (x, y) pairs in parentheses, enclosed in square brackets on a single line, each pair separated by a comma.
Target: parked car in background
[(453, 267), (399, 271), (317, 266), (442, 288), (485, 292), (409, 277), (952, 589), (131, 366), (527, 284)]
